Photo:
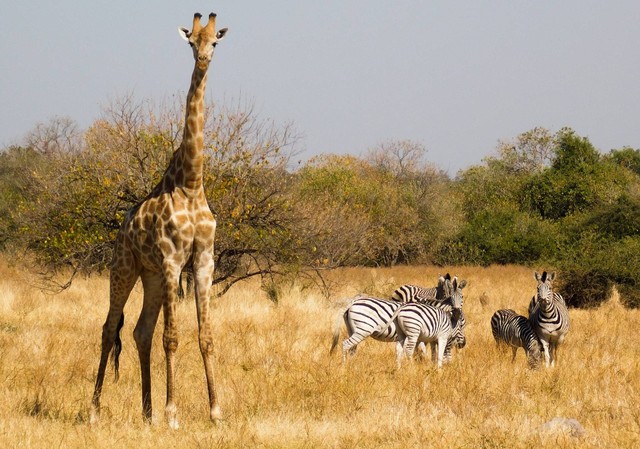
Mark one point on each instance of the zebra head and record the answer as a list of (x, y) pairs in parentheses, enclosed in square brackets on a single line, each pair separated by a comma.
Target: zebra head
[(535, 356), (544, 292), (443, 290), (457, 298)]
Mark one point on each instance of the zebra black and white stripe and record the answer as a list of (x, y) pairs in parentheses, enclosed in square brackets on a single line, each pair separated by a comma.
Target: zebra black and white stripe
[(421, 323), (549, 316), (415, 293), (515, 331)]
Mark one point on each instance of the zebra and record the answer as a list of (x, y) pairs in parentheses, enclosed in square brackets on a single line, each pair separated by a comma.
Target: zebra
[(549, 316), (515, 331), (422, 323)]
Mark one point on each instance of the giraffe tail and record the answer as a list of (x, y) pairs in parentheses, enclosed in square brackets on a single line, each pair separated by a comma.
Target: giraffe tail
[(117, 347)]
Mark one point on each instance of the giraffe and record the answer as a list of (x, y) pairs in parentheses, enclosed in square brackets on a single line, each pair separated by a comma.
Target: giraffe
[(172, 227)]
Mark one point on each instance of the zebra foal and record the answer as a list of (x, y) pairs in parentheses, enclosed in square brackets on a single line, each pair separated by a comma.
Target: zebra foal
[(549, 316), (515, 331)]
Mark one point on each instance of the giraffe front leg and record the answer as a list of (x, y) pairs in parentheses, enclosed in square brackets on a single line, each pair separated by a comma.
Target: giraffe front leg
[(170, 344), (203, 275)]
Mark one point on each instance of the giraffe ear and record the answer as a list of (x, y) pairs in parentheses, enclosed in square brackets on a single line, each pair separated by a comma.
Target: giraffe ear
[(221, 33), (184, 33)]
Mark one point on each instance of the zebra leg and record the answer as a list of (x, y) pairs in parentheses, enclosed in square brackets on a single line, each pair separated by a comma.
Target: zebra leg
[(515, 350), (545, 349), (422, 350), (410, 345), (350, 345), (552, 353), (433, 351), (442, 343)]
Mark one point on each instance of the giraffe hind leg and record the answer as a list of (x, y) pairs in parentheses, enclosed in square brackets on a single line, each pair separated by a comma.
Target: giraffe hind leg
[(121, 284)]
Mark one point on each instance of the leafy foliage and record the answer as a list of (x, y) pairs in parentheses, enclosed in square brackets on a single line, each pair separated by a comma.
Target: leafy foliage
[(544, 198)]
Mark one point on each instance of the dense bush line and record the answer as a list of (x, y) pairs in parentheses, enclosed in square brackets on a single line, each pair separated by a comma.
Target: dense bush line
[(543, 199)]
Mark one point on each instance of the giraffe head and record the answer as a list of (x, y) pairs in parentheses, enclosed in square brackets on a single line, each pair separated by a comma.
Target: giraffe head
[(203, 39)]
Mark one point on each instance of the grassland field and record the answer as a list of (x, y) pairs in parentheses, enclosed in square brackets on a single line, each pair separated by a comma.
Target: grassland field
[(280, 388)]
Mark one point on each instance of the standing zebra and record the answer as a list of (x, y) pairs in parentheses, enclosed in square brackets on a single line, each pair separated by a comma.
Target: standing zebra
[(428, 323), (549, 316), (421, 323), (515, 331)]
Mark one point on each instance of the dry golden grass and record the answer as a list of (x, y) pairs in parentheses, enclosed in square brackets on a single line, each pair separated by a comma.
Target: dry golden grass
[(280, 388)]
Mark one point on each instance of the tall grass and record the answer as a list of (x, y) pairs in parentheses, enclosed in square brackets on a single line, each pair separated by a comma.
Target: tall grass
[(280, 388)]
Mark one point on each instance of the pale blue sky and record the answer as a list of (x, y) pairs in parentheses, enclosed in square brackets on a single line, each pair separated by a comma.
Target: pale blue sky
[(456, 76)]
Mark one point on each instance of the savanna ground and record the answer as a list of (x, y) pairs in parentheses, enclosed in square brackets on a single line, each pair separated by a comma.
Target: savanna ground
[(279, 387)]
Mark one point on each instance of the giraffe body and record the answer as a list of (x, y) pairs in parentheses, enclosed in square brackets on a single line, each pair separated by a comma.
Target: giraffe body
[(173, 227)]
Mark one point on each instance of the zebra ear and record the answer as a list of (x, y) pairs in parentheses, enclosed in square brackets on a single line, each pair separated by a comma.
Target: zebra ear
[(536, 276), (552, 276)]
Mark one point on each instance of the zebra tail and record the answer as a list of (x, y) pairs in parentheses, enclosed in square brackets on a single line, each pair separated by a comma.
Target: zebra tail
[(117, 348)]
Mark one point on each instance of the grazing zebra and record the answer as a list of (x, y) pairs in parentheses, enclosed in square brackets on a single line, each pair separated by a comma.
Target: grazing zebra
[(515, 331), (416, 322), (549, 316), (422, 323)]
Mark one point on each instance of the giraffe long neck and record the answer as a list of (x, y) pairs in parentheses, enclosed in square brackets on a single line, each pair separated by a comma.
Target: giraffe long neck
[(186, 168)]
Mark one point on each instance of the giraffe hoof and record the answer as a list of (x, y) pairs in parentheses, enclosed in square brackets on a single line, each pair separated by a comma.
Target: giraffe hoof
[(94, 416), (216, 414), (172, 419), (173, 424)]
